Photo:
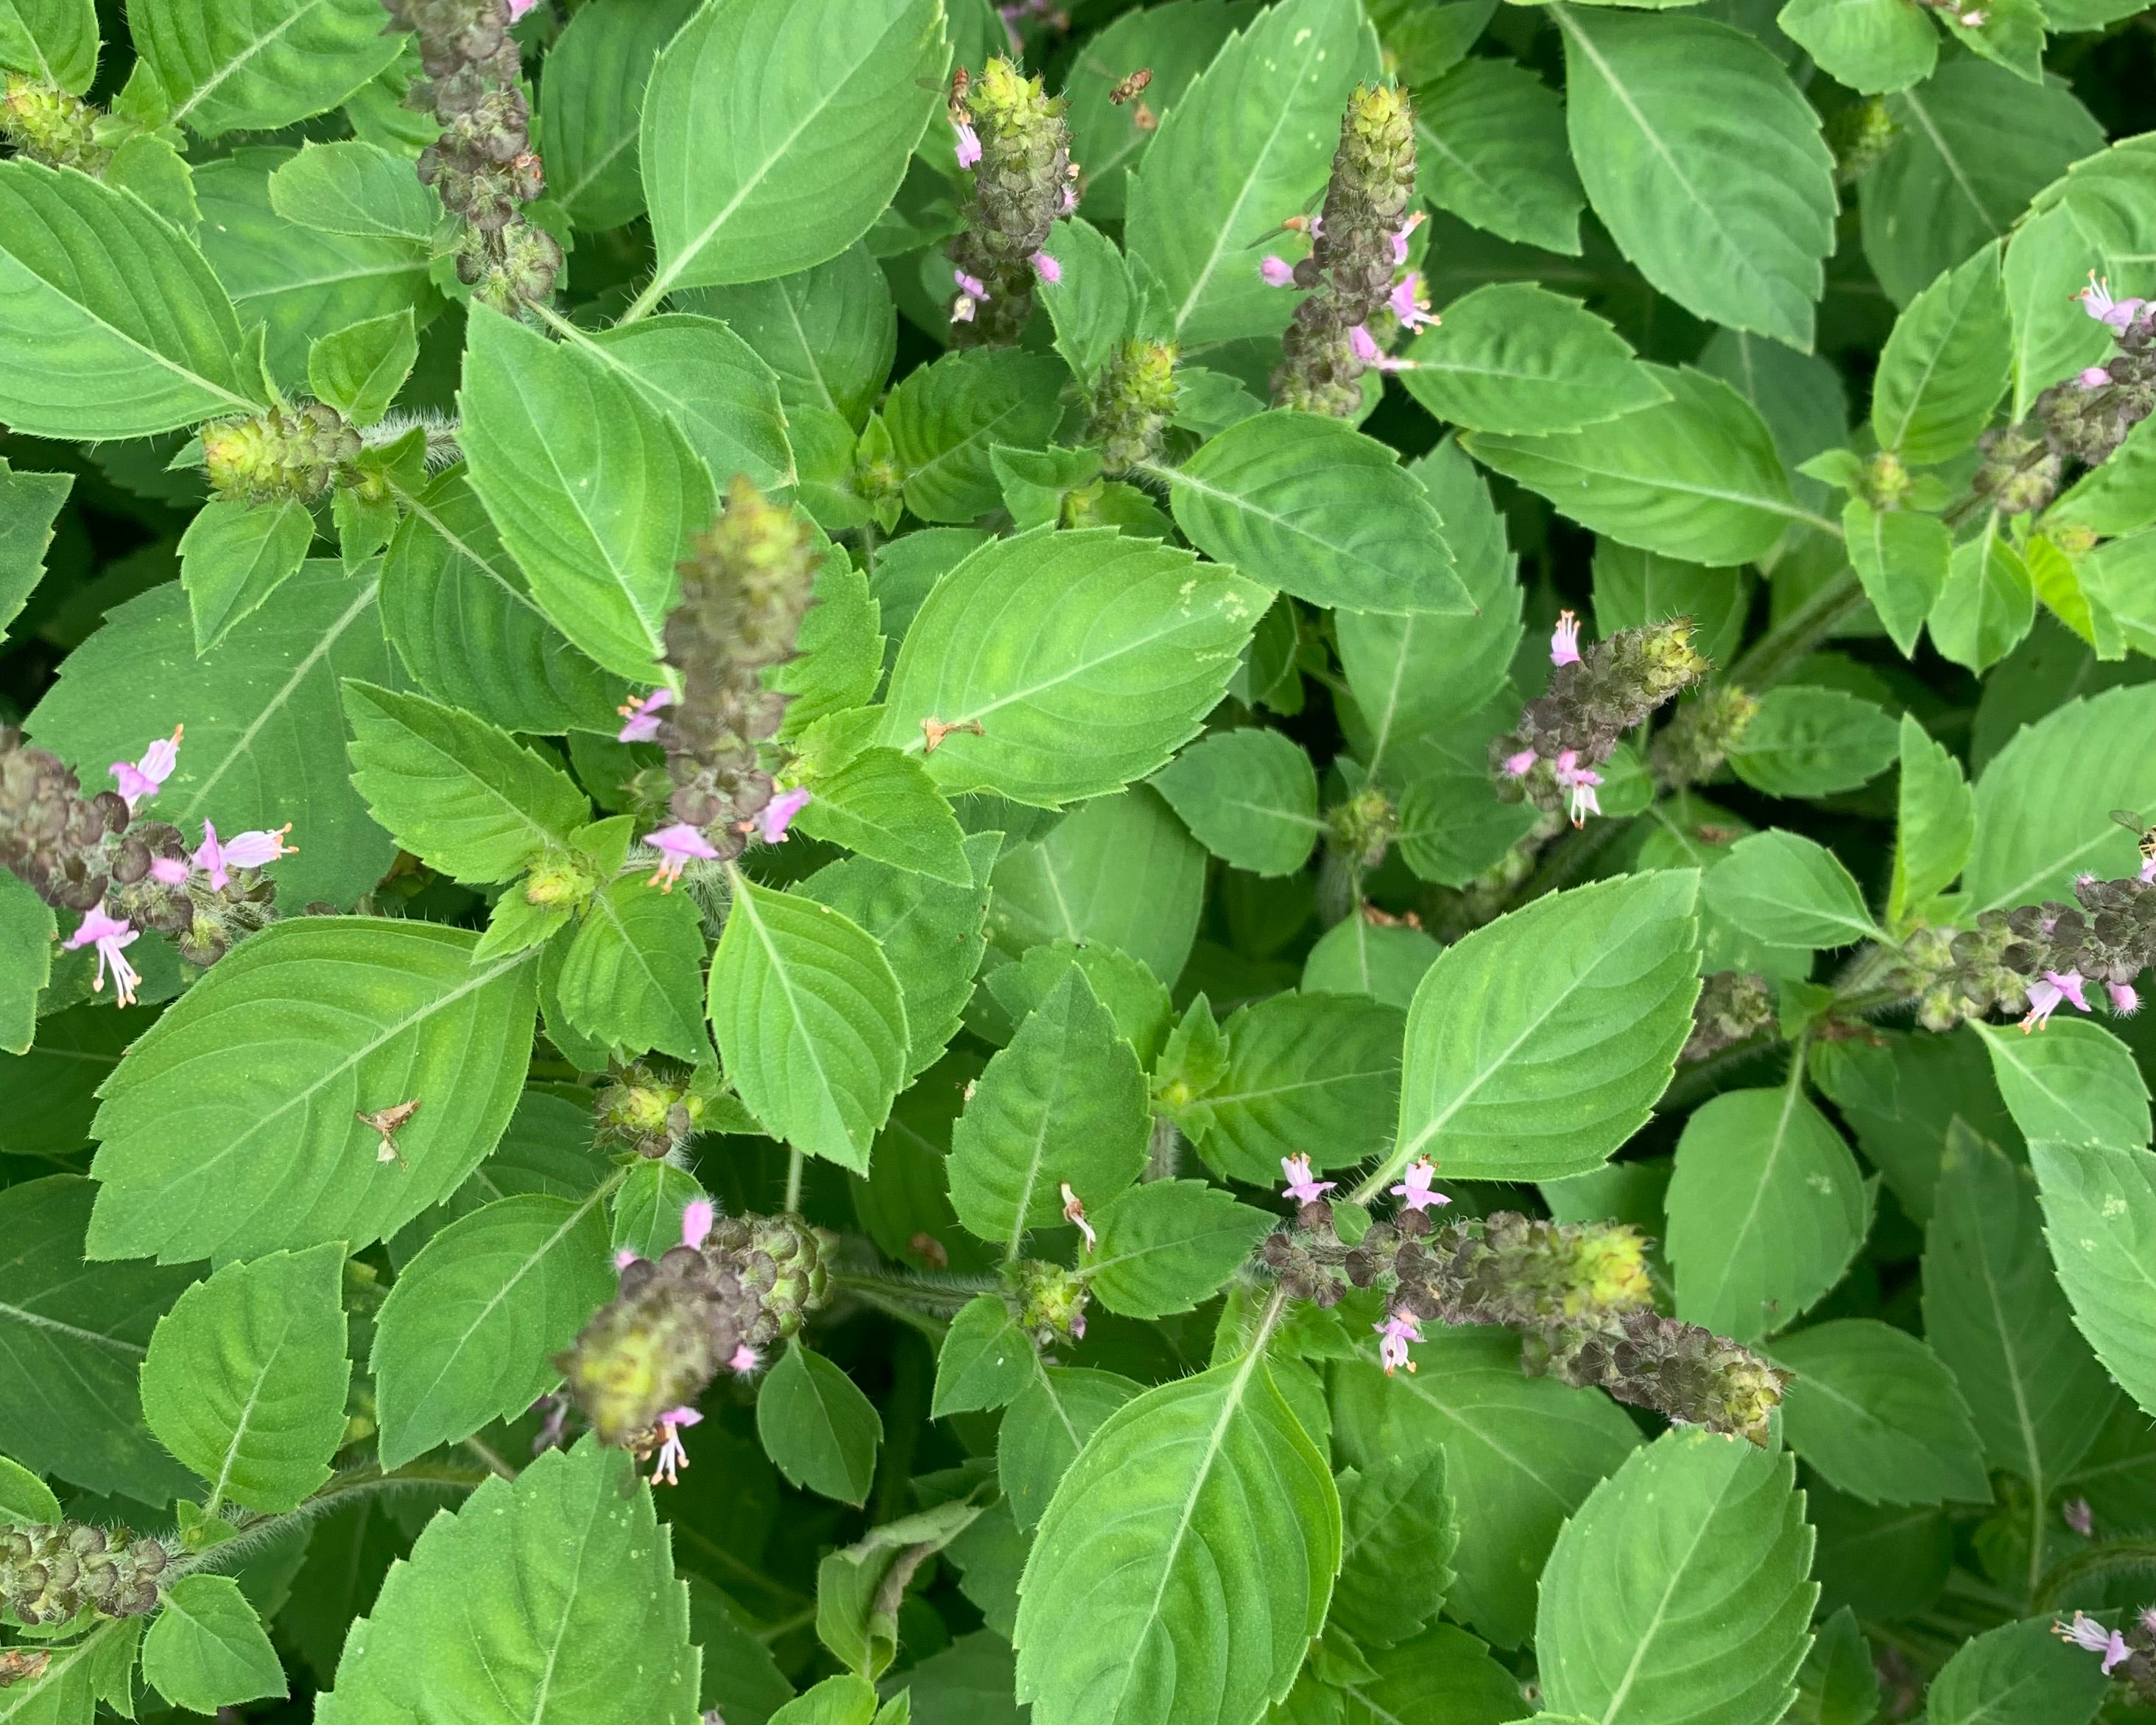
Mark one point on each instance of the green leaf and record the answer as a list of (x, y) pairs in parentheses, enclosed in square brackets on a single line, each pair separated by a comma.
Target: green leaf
[(1086, 657), (1358, 956), (1135, 998), (1250, 141), (1444, 1673), (1090, 302), (885, 805), (1695, 477), (1311, 505), (2074, 1081), (1249, 796), (356, 188), (1515, 357), (1119, 871), (1873, 1409), (1177, 41), (1902, 1096), (1936, 825), (28, 929), (255, 65), (29, 504), (359, 369), (246, 1374), (1396, 1561), (1766, 1210), (2018, 1674), (860, 1587), (461, 795), (229, 1130), (1705, 164), (810, 1021), (1788, 890), (25, 1500), (1045, 1428), (1902, 558), (1198, 1598), (1995, 1314), (818, 1427), (649, 1207), (1492, 149), (2110, 499), (1065, 1103), (1521, 1455), (1873, 46), (265, 733), (775, 133), (470, 1328), (633, 977), (839, 657), (844, 1700), (206, 1649), (1538, 1044), (594, 493), (2048, 257), (1167, 1245), (986, 1359), (83, 354), (593, 99), (1945, 365), (234, 555), (829, 333), (946, 417), (73, 1336), (1680, 1590), (1987, 605), (2099, 1221), (1813, 742), (461, 616), (473, 1627), (54, 39), (709, 384)]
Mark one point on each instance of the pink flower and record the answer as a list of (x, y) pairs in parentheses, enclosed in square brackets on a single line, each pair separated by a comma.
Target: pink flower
[(245, 850), (643, 717), (1045, 267), (2147, 875), (2084, 1631), (1400, 239), (1408, 302), (1277, 271), (744, 1360), (676, 845), (1365, 347), (1301, 1186), (2148, 1619), (1517, 766), (971, 286), (2046, 994), (517, 8), (969, 143), (1414, 1190), (672, 1453), (2096, 301), (1580, 781), (1399, 1328), (624, 1257), (140, 779), (1078, 1326), (2095, 378), (772, 819), (2124, 1001), (172, 871), (2079, 1516), (111, 936), (696, 1217), (962, 309), (1565, 639), (1074, 1211), (1069, 198)]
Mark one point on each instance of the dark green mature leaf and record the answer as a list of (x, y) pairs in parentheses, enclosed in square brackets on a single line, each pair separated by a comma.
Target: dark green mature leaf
[(461, 795), (1705, 163), (207, 1649), (885, 805), (775, 132), (1680, 1590), (1118, 871), (633, 977), (810, 1023), (946, 418), (29, 502), (818, 1427), (1936, 822), (592, 490), (1135, 997), (72, 1337), (228, 1128), (1902, 558), (83, 354), (471, 1329), (1945, 365), (711, 383), (1314, 1074), (55, 39), (1199, 1598), (473, 1627), (1400, 1535), (28, 929), (1249, 796), (234, 555), (1873, 1409), (1250, 141), (2075, 1082), (2018, 1674), (245, 1378), (828, 333), (1165, 1245), (592, 102), (1490, 148), (1044, 1429), (1874, 46), (1788, 890), (2099, 1221), (1086, 658), (1515, 357), (1988, 603), (1812, 742), (254, 65), (986, 1361), (1538, 1044), (1444, 1673)]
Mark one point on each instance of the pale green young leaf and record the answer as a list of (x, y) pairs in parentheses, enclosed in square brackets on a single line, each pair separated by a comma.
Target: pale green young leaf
[(255, 65), (25, 1500), (1490, 148), (1539, 1043), (475, 1625), (471, 1329), (1788, 890), (358, 189), (594, 492), (1766, 1209), (946, 418), (843, 1699), (1396, 1561), (54, 40), (1118, 871), (986, 1359), (82, 353), (1873, 1409), (2099, 1221), (1813, 742), (245, 1378), (839, 655), (207, 1649), (883, 804), (592, 102), (463, 795), (1135, 997), (1309, 505), (1444, 1673), (1249, 796), (810, 1021), (1936, 824), (1198, 1599), (228, 1129), (1902, 558), (359, 369), (829, 333), (1167, 1245), (818, 1426), (1046, 1427), (1086, 658), (1873, 46), (1357, 956), (2048, 258), (2071, 1080), (2018, 1674), (1946, 364), (234, 555), (1090, 301), (30, 503), (1515, 357), (775, 132), (711, 386), (1681, 1589), (633, 977)]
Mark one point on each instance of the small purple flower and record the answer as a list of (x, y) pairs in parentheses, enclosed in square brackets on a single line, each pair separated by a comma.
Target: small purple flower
[(1580, 781), (744, 1360), (673, 1454), (1400, 239), (697, 1216), (1565, 639), (962, 309), (2085, 1632), (2147, 875), (2079, 1516), (2047, 992), (1517, 766), (1365, 347), (1069, 198), (111, 936), (1414, 1191), (1045, 267), (772, 819), (1399, 1328), (2096, 301), (517, 8), (1277, 271), (553, 1431), (624, 1257), (1301, 1186), (642, 716), (2095, 378), (970, 285), (969, 143), (2148, 1619), (2124, 1001), (140, 779), (245, 850), (1074, 1211), (676, 845), (1409, 303), (170, 871)]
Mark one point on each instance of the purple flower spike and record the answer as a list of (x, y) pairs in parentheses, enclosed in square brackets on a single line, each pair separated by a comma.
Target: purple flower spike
[(676, 845), (1045, 267), (1399, 1328), (517, 8), (777, 815), (971, 286), (673, 1454), (1366, 349), (111, 936), (140, 779), (1415, 1191), (170, 871), (1565, 639), (624, 1257), (642, 717), (1400, 239), (696, 1218), (1301, 1186), (1277, 271), (969, 143), (2047, 992)]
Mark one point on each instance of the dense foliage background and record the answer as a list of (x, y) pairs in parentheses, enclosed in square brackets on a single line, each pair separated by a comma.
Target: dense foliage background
[(1115, 864)]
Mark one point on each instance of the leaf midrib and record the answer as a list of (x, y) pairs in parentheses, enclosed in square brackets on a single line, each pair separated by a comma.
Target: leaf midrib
[(240, 59)]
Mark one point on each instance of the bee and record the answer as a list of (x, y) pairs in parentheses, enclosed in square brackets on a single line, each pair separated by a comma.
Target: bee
[(961, 81), (2145, 833), (387, 1121), (1131, 86)]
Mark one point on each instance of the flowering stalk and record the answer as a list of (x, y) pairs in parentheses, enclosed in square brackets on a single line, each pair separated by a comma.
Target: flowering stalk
[(47, 125), (50, 1573), (1131, 402), (1014, 139), (1732, 1006), (286, 452)]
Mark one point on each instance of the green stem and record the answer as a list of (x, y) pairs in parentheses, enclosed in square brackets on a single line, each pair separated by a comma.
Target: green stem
[(347, 1487), (795, 1164), (492, 1459), (1782, 648)]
